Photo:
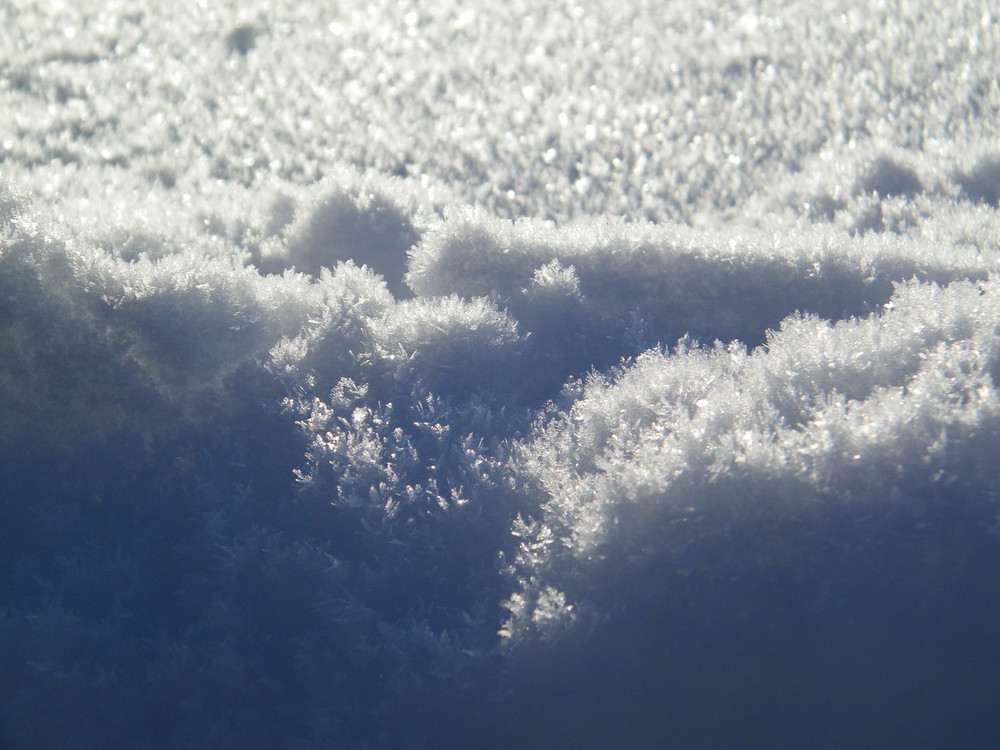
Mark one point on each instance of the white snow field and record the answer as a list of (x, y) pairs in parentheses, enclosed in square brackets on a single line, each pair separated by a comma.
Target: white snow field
[(577, 374)]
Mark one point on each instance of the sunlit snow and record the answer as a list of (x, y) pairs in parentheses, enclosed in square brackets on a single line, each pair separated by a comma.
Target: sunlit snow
[(533, 374)]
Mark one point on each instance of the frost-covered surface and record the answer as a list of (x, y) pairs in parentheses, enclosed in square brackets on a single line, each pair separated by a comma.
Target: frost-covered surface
[(527, 374)]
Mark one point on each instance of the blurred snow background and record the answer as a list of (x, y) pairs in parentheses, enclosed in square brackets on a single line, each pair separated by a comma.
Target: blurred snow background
[(539, 374)]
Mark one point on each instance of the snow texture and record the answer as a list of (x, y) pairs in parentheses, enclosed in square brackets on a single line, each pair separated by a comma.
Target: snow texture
[(529, 374)]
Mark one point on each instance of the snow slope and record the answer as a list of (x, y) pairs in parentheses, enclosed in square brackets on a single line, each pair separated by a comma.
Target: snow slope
[(540, 374)]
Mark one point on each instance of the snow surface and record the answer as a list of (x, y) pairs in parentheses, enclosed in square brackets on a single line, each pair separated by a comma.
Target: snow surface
[(530, 374)]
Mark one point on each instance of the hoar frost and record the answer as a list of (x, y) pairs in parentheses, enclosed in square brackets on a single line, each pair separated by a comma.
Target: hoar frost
[(527, 375)]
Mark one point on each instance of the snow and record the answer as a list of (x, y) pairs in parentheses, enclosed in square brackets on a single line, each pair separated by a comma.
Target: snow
[(577, 374)]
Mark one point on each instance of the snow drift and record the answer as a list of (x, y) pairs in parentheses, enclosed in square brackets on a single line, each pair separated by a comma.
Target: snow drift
[(540, 375)]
